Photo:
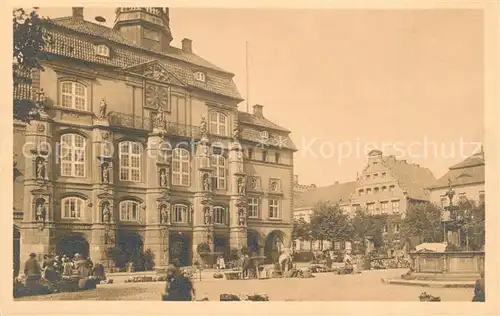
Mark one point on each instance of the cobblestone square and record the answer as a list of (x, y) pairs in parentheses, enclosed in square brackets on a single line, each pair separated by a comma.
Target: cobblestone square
[(324, 287)]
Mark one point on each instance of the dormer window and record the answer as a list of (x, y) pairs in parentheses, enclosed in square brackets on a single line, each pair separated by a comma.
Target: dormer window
[(264, 134), (102, 50), (199, 76)]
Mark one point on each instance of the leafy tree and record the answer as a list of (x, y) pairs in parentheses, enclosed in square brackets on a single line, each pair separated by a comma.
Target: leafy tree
[(30, 41), (301, 230), (329, 222), (473, 216), (367, 225), (422, 220)]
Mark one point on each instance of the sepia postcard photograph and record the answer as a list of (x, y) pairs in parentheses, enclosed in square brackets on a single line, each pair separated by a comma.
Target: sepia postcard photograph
[(277, 154)]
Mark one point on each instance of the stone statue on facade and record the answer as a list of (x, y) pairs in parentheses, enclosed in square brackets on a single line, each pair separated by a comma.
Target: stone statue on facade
[(159, 120), (208, 216), (102, 109), (241, 216), (106, 213), (105, 173), (241, 186), (40, 168), (203, 127), (236, 133), (206, 182), (163, 214), (40, 212), (163, 178)]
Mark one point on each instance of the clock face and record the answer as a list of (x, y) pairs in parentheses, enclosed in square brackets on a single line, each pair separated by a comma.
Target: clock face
[(156, 96)]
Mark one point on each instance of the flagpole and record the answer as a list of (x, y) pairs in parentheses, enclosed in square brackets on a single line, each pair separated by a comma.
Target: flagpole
[(247, 75)]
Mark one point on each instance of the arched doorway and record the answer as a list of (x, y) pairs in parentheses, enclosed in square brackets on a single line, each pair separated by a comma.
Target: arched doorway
[(73, 244), (273, 246), (253, 243), (16, 250), (130, 250), (221, 245), (179, 248)]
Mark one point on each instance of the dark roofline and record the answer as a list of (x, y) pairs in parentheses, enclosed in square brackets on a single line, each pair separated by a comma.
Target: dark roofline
[(54, 23), (280, 129), (434, 187)]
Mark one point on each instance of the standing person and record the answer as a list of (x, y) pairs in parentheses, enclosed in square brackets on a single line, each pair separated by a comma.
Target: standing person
[(67, 267), (246, 266), (328, 260), (222, 263), (479, 290), (33, 271), (179, 287), (50, 270)]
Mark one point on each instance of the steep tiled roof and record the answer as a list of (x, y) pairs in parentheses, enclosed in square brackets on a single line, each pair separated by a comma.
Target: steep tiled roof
[(251, 119), (75, 38), (411, 177), (469, 171), (333, 193)]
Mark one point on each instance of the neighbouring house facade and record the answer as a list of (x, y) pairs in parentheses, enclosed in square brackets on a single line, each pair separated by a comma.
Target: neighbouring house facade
[(386, 186), (467, 180), (141, 147), (305, 203)]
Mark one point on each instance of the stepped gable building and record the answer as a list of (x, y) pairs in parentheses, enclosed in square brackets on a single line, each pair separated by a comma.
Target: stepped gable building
[(141, 147)]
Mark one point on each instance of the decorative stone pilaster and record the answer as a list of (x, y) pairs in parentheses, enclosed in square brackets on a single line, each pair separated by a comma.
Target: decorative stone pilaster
[(238, 199), (158, 193), (203, 200), (37, 227)]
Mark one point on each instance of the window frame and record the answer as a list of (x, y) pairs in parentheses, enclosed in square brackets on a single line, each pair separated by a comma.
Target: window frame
[(73, 94), (184, 211), (216, 126), (100, 52), (219, 168), (128, 206), (182, 159), (395, 210), (130, 156), (220, 212), (251, 205), (75, 153), (78, 202), (200, 76), (276, 207)]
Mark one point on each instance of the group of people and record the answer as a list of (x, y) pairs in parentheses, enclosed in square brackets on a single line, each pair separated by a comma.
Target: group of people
[(55, 267)]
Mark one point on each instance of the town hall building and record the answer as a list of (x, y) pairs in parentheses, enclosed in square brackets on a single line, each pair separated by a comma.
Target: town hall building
[(141, 147)]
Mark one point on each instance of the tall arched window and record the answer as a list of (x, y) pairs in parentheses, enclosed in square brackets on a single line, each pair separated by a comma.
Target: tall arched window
[(129, 210), (180, 213), (180, 167), (130, 161), (72, 207), (219, 215), (72, 155), (219, 163), (74, 95), (218, 123)]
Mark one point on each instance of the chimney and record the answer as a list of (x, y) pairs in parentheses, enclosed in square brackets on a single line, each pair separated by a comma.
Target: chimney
[(257, 110), (336, 182), (187, 45), (78, 13)]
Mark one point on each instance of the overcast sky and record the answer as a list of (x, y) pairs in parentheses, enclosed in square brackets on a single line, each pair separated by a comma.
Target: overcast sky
[(349, 80)]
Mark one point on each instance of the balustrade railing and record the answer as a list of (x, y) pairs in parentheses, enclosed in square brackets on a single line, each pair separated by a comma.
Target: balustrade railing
[(145, 123)]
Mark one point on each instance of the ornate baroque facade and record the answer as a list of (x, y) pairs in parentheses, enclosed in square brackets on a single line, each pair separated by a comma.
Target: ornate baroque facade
[(142, 147)]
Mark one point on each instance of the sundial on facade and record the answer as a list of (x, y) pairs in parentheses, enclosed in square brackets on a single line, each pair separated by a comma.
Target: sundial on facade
[(156, 96)]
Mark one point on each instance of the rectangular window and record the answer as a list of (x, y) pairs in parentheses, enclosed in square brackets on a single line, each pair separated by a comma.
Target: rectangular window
[(360, 192), (274, 209), (264, 155), (396, 227), (72, 208), (395, 207), (384, 207), (276, 157), (219, 215), (253, 207), (368, 191), (130, 161), (179, 214), (376, 190), (391, 188), (371, 208), (72, 155), (250, 153), (129, 211)]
